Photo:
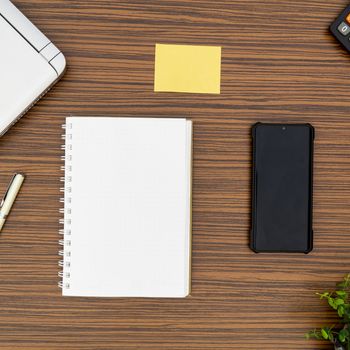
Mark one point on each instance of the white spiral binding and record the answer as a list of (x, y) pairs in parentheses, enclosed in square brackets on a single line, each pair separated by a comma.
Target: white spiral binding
[(66, 221)]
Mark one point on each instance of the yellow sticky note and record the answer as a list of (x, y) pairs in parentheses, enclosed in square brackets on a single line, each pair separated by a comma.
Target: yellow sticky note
[(187, 68)]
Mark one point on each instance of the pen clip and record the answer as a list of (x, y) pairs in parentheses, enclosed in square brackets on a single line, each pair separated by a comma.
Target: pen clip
[(7, 191)]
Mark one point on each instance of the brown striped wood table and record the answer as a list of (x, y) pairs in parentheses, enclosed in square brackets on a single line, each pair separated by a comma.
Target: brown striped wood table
[(279, 64)]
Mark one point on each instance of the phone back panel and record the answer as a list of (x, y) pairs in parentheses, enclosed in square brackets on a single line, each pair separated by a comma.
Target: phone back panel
[(282, 188)]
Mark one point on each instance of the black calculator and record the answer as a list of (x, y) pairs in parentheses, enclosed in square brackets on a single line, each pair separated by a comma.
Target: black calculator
[(340, 28)]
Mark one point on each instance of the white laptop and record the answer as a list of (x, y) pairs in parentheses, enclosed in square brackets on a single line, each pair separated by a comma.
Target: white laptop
[(30, 64)]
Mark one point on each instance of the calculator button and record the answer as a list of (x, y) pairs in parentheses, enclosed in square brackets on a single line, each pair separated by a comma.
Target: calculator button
[(344, 28)]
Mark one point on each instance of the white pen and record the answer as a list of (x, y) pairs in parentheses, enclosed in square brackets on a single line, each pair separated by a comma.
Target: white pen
[(10, 197)]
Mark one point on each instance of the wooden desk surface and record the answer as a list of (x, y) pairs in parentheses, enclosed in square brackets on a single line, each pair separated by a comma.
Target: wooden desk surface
[(279, 64)]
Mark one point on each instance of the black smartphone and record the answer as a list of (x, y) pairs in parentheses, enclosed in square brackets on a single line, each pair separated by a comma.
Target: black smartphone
[(282, 188)]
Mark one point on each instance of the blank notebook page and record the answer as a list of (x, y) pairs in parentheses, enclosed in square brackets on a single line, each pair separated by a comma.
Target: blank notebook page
[(127, 207)]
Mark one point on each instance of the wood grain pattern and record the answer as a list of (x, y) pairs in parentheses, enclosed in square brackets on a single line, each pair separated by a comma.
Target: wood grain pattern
[(279, 64)]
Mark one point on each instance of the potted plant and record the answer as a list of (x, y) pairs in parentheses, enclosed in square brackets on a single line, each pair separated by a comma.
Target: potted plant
[(339, 300)]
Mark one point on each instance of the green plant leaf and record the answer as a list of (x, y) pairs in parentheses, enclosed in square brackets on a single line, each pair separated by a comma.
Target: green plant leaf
[(324, 334), (339, 301), (315, 334), (332, 303), (330, 336), (346, 310), (343, 334), (341, 310), (323, 295)]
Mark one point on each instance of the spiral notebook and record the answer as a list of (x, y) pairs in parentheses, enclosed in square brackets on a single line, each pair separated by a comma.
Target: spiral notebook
[(127, 207)]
